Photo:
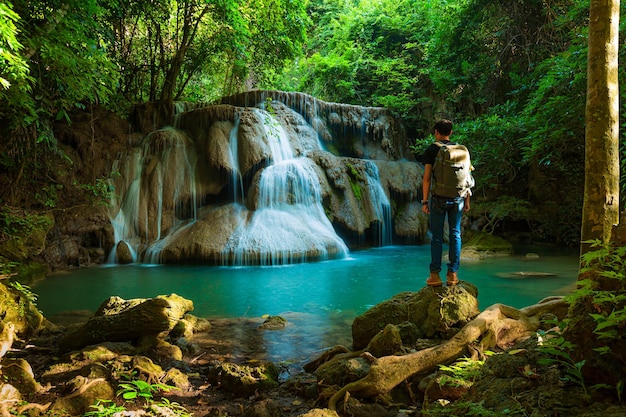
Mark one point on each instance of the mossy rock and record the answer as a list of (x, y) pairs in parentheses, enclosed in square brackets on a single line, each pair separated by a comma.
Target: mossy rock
[(273, 323), (17, 307), (485, 242), (431, 311), (27, 237), (85, 393), (244, 381), (343, 371), (18, 372)]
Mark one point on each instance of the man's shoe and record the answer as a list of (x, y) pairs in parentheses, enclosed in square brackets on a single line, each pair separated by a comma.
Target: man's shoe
[(452, 279), (434, 280)]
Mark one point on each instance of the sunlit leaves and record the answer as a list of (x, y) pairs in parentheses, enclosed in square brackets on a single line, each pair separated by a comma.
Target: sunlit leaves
[(12, 64)]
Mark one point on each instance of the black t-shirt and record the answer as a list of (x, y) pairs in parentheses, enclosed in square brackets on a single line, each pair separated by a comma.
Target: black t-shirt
[(430, 154)]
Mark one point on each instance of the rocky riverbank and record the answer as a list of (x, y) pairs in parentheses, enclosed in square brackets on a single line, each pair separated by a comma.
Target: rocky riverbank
[(173, 363)]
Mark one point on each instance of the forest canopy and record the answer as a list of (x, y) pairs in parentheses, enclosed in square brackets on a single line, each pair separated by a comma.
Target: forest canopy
[(510, 74)]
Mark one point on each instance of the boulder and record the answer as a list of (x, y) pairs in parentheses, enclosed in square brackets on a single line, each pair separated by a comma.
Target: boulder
[(119, 320), (486, 244), (20, 316), (123, 254), (434, 312), (242, 380)]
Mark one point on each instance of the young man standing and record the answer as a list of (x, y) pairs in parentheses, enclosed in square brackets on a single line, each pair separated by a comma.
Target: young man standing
[(438, 208)]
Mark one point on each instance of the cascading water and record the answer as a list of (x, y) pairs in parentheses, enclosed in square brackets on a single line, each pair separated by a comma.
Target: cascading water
[(233, 157), (161, 192), (381, 204), (257, 185), (289, 223)]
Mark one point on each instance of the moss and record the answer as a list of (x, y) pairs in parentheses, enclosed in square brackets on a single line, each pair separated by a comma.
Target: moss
[(489, 242), (22, 234), (17, 307)]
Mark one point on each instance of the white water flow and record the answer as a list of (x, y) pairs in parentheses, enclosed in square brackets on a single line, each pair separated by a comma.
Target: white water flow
[(124, 226), (233, 156), (162, 172), (381, 204), (289, 224)]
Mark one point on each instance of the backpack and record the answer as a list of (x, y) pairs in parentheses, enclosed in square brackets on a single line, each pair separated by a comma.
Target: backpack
[(452, 171)]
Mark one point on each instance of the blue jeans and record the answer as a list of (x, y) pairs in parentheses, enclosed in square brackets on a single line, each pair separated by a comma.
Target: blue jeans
[(439, 209)]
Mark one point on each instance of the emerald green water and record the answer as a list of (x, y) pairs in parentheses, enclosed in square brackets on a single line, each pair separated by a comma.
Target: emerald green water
[(319, 300)]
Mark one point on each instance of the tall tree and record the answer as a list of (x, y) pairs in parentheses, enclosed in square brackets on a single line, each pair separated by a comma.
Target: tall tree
[(601, 200), (179, 50)]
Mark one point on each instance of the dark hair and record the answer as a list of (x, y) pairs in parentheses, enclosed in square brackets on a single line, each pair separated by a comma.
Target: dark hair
[(444, 127)]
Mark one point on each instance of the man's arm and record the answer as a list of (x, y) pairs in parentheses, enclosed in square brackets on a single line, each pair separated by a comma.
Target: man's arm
[(428, 169)]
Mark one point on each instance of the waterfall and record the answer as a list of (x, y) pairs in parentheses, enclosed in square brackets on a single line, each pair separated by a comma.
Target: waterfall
[(233, 158), (256, 181), (160, 191), (381, 204), (289, 224)]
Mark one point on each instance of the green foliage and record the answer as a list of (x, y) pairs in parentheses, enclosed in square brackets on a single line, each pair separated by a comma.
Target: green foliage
[(48, 195), (602, 295), (493, 141), (369, 53), (104, 408), (462, 372), (8, 268), (511, 75), (610, 263), (20, 223), (355, 178), (173, 408), (506, 207), (25, 291), (559, 351), (137, 388), (13, 66), (102, 191)]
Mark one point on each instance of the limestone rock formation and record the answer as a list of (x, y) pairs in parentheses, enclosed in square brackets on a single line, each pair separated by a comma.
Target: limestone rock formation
[(267, 177), (206, 183)]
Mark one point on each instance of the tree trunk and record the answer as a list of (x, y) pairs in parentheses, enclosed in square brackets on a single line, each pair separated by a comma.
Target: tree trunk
[(601, 199)]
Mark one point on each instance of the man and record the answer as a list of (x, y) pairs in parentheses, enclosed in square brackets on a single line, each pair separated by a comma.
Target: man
[(441, 206)]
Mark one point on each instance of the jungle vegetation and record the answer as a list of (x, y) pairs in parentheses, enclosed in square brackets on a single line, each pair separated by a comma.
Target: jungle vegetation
[(510, 74)]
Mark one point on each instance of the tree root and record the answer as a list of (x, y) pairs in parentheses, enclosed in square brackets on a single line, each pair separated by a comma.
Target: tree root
[(499, 325)]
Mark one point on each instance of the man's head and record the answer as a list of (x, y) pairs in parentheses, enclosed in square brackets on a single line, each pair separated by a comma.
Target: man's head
[(444, 127)]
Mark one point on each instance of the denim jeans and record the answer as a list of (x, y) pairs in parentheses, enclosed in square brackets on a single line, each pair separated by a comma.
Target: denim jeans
[(439, 209)]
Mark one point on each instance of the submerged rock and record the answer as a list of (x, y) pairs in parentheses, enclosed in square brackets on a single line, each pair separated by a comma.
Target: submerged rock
[(483, 245), (273, 323)]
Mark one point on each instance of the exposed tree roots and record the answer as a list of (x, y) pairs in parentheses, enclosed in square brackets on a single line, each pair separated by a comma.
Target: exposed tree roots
[(499, 325)]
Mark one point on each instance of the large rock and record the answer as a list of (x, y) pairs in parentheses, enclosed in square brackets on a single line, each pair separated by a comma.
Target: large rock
[(205, 239), (430, 313), (482, 244), (119, 320), (20, 316), (242, 380)]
